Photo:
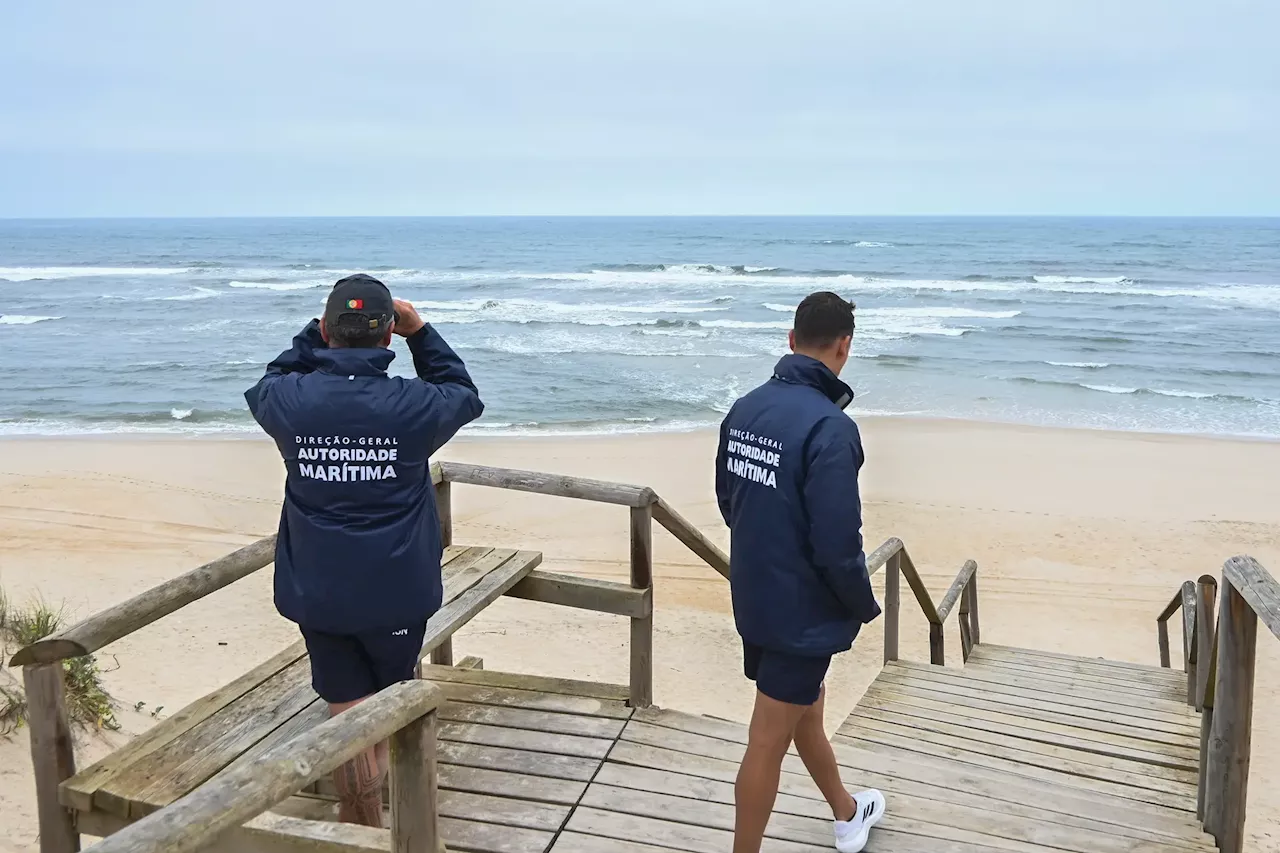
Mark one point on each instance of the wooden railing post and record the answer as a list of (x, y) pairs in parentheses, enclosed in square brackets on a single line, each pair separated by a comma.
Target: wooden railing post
[(974, 628), (937, 644), (966, 632), (892, 605), (52, 754), (443, 653), (414, 808), (1189, 625), (1207, 637), (1227, 777), (642, 626)]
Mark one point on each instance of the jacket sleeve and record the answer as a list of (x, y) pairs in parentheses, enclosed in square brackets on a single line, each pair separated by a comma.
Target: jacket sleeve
[(299, 358), (449, 398), (722, 473), (835, 516)]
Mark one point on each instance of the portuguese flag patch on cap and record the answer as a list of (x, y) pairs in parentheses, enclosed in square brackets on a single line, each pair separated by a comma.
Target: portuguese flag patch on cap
[(355, 303)]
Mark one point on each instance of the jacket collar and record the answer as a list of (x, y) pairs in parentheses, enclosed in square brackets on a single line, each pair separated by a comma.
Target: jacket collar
[(804, 370), (372, 361)]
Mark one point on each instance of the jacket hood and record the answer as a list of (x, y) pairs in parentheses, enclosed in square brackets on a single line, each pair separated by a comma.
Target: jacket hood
[(365, 361), (804, 370)]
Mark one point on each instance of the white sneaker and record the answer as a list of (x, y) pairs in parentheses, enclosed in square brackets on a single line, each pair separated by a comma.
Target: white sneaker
[(851, 836)]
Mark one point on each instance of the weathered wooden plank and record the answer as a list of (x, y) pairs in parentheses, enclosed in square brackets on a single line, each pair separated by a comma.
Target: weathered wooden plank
[(194, 756), (641, 670), (964, 810), (496, 783), (531, 683), (1087, 765), (548, 484), (480, 585), (503, 811), (1153, 708), (475, 837), (470, 662), (1028, 710), (943, 781), (1059, 656), (536, 721), (415, 809), (980, 756), (942, 681), (1171, 707), (584, 594), (231, 799), (271, 832), (1227, 775), (557, 744), (687, 799), (892, 606), (128, 616), (919, 589), (675, 836), (52, 754), (1142, 688), (1083, 666), (1257, 587), (507, 697), (518, 761), (1189, 639), (920, 711), (515, 786), (957, 587), (78, 791), (1166, 684), (1206, 599), (691, 537)]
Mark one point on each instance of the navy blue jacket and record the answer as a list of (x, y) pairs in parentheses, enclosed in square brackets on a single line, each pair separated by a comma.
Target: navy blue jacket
[(359, 546), (787, 485)]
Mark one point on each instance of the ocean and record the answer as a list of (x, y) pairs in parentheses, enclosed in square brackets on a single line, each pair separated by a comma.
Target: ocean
[(615, 325)]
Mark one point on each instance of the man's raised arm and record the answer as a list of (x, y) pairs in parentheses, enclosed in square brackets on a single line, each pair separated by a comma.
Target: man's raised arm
[(453, 401), (300, 358)]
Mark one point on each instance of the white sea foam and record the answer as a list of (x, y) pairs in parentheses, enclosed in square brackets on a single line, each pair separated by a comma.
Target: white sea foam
[(180, 414), (23, 319), (872, 244), (1079, 279), (196, 295), (1172, 392), (49, 273), (278, 285), (1110, 389), (1088, 365)]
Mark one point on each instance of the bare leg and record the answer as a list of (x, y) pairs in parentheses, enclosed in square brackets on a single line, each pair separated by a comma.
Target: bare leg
[(359, 781), (818, 757), (772, 725)]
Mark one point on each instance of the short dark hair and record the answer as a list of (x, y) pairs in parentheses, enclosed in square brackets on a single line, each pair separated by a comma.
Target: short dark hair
[(822, 319), (355, 337)]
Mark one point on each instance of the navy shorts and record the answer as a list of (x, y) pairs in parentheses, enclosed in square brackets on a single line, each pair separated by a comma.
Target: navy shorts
[(794, 679), (347, 667)]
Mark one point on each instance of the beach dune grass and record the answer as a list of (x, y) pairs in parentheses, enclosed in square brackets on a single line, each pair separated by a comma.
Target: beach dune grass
[(88, 703)]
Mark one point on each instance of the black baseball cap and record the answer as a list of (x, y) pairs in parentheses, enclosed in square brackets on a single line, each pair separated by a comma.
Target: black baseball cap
[(359, 301)]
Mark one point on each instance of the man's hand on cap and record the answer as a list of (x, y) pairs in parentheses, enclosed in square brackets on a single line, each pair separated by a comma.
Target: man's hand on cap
[(408, 321)]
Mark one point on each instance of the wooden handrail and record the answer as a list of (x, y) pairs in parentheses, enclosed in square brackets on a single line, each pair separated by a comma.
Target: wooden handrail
[(556, 485), (692, 537), (88, 636), (404, 712), (964, 590), (1220, 658)]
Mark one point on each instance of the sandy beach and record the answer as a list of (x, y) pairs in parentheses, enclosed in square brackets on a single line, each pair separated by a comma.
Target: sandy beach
[(1081, 538)]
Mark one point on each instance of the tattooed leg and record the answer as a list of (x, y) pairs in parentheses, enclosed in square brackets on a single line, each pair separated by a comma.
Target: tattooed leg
[(359, 782)]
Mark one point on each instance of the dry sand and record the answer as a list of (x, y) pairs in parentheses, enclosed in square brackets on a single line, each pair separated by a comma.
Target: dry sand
[(1081, 538)]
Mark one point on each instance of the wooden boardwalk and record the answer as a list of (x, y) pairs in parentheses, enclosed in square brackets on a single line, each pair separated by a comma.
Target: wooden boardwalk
[(1016, 751)]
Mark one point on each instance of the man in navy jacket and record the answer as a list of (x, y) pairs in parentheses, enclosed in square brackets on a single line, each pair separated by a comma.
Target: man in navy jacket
[(787, 485), (358, 553)]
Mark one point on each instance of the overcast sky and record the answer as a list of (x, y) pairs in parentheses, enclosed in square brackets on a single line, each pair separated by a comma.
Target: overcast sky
[(265, 107)]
